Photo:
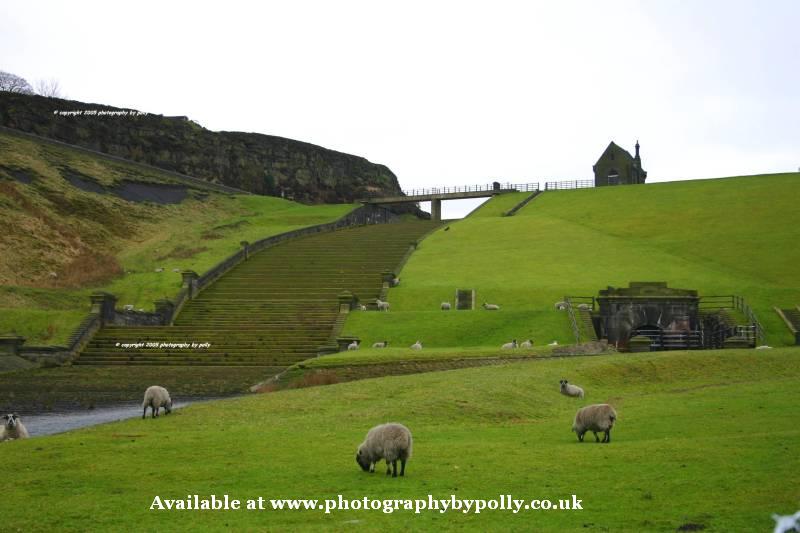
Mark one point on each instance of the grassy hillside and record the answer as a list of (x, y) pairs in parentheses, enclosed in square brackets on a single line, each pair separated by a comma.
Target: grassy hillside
[(723, 236), (100, 241), (703, 440)]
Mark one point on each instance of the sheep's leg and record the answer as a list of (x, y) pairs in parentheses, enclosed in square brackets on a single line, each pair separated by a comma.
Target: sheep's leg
[(402, 467), (388, 467), (144, 414), (372, 468), (596, 438), (394, 468), (607, 438), (155, 411), (580, 437)]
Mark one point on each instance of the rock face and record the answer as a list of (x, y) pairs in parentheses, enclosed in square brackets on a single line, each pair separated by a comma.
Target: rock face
[(261, 164)]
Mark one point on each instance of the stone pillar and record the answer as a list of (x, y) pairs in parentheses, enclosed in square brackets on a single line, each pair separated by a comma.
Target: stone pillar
[(246, 247), (190, 282), (103, 304), (10, 344), (346, 301), (388, 278), (436, 209), (165, 308)]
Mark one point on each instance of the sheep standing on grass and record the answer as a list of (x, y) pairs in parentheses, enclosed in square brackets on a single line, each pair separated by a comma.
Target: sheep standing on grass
[(416, 346), (491, 307), (382, 344), (13, 428), (510, 345), (352, 346), (570, 390), (382, 306), (156, 397), (594, 418), (561, 306), (389, 442), (527, 344), (445, 306)]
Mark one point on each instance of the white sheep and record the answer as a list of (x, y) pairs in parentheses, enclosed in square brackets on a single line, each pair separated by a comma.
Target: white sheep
[(382, 306), (763, 347), (159, 270), (156, 397), (382, 344), (128, 307), (527, 344), (389, 442), (416, 346), (13, 428), (362, 307), (554, 343), (567, 389), (491, 307), (352, 346), (445, 306), (509, 345), (594, 418), (395, 282), (584, 307), (787, 524), (176, 270), (561, 306)]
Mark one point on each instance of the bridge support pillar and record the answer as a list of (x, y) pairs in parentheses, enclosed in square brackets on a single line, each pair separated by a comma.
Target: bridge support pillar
[(436, 209)]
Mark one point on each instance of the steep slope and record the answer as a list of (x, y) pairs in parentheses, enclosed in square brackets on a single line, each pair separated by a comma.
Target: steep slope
[(262, 164)]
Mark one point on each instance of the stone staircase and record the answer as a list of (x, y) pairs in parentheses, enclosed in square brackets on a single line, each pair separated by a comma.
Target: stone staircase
[(273, 310)]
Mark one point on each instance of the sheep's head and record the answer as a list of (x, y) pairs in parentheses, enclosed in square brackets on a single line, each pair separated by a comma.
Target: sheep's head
[(563, 384), (168, 406), (10, 420), (361, 459)]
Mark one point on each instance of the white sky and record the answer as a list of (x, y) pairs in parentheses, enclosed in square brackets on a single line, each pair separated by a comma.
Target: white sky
[(446, 93)]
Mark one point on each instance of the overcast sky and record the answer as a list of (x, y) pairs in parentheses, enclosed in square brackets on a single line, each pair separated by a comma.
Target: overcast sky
[(446, 93)]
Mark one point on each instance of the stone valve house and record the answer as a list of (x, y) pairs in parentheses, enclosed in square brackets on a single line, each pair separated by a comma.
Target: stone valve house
[(617, 167)]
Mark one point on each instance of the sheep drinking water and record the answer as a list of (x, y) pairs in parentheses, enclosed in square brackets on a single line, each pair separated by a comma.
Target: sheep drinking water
[(156, 397), (389, 442)]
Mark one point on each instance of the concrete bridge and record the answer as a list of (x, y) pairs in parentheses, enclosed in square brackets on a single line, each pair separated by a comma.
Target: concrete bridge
[(437, 194)]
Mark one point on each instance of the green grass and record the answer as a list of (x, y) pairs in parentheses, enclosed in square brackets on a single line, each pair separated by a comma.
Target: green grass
[(723, 236), (499, 204), (50, 226), (702, 438)]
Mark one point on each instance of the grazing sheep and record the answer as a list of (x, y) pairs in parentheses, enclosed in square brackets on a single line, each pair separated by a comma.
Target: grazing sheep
[(786, 524), (416, 346), (570, 390), (445, 306), (389, 442), (527, 344), (128, 307), (561, 306), (510, 345), (763, 347), (584, 307), (156, 397), (554, 343), (159, 269), (176, 270), (382, 306), (362, 307), (13, 428), (594, 418), (383, 344), (491, 307), (395, 282), (352, 346)]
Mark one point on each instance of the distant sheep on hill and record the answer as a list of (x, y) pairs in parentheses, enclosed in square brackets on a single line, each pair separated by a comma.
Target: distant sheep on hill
[(445, 306), (156, 397), (395, 282), (526, 344), (561, 306), (510, 345), (382, 344), (382, 306), (568, 389), (594, 418), (389, 442), (491, 307), (352, 346), (13, 428), (362, 307), (584, 307), (416, 346)]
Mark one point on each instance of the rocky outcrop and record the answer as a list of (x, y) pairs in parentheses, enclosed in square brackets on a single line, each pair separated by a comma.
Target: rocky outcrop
[(263, 164)]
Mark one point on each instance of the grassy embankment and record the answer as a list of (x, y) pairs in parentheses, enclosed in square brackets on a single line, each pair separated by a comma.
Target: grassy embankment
[(97, 241), (704, 439), (721, 237)]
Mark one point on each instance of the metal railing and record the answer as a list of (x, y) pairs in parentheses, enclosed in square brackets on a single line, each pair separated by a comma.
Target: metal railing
[(733, 301), (571, 184), (486, 187)]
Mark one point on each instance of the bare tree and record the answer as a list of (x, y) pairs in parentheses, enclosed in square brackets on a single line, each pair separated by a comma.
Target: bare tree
[(14, 84), (50, 88)]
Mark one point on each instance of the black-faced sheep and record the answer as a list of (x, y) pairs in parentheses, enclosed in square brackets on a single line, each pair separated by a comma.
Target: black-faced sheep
[(510, 345), (389, 442), (445, 306), (13, 428), (156, 397), (491, 307), (568, 389), (416, 346), (382, 344), (594, 418), (527, 344)]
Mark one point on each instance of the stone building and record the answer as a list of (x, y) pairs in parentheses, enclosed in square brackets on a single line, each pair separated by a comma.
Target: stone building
[(617, 167)]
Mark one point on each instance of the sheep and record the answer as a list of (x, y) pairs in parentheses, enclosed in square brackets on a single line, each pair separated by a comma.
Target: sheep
[(509, 345), (763, 347), (156, 397), (383, 344), (176, 270), (594, 418), (554, 343), (13, 428), (570, 390), (785, 524), (561, 306), (362, 307), (352, 346), (491, 307), (527, 344), (159, 270), (584, 307), (445, 306), (382, 306), (416, 346), (128, 307), (389, 442), (395, 282)]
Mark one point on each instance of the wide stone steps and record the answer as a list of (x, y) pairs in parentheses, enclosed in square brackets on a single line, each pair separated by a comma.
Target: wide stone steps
[(271, 311)]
